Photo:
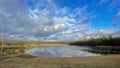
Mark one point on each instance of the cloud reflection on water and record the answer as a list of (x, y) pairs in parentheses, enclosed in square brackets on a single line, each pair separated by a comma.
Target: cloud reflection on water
[(60, 51)]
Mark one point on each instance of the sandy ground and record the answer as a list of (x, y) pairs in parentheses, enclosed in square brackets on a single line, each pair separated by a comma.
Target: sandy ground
[(27, 61)]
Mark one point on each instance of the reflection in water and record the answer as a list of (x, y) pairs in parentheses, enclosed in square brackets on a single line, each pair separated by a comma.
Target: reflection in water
[(60, 51)]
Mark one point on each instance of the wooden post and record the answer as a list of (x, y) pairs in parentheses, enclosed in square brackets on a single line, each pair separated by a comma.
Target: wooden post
[(2, 42)]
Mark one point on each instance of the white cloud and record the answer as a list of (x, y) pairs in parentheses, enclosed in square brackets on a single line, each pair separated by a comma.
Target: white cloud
[(59, 26), (116, 21), (46, 21), (118, 13), (110, 4), (64, 19), (79, 12), (104, 1)]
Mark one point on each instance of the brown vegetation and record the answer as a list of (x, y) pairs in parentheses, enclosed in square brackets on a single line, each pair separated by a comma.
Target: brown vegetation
[(108, 61)]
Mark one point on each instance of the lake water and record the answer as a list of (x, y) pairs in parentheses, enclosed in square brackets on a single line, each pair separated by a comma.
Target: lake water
[(60, 51)]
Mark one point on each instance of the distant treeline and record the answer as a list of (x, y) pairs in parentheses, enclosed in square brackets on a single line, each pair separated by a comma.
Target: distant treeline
[(99, 41)]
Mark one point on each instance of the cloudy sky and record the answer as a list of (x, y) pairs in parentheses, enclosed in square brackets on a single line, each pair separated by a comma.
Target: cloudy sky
[(59, 20)]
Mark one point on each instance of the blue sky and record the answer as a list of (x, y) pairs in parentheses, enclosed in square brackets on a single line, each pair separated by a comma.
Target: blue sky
[(59, 20)]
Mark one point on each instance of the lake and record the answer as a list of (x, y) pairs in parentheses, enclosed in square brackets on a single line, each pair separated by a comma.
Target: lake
[(60, 51)]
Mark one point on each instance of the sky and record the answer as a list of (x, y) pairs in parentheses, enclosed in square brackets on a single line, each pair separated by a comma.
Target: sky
[(59, 20)]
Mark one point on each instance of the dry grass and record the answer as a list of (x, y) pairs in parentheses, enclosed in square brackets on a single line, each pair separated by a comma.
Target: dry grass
[(108, 61)]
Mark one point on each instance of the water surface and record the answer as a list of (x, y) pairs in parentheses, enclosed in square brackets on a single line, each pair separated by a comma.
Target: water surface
[(60, 51)]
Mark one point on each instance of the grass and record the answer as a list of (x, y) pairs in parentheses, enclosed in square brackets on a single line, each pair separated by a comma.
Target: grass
[(12, 49), (35, 43), (27, 61)]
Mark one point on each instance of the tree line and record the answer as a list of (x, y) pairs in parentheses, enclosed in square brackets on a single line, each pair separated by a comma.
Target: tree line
[(99, 41)]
